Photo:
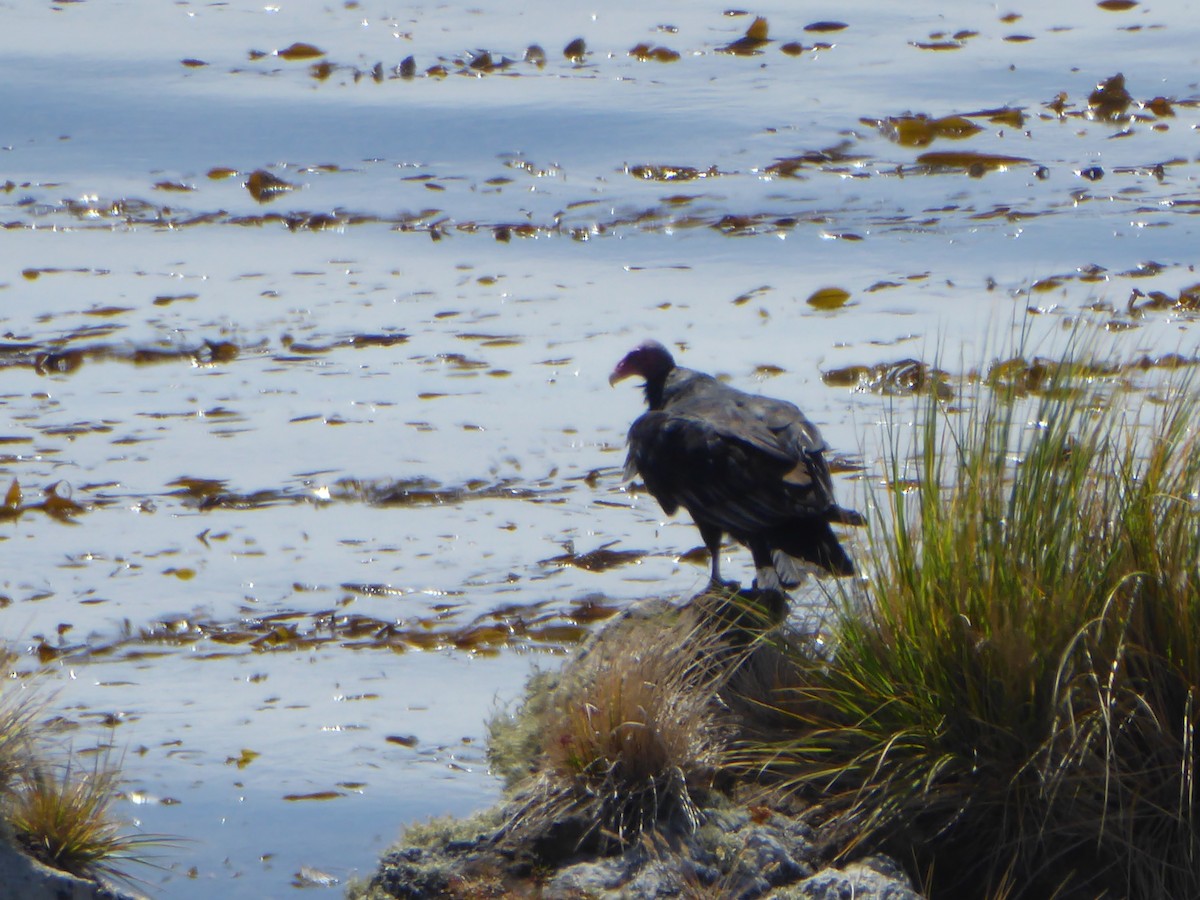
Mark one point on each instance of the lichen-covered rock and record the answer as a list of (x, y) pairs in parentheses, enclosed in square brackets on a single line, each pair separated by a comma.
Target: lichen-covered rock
[(739, 852), (871, 878), (413, 873), (600, 877)]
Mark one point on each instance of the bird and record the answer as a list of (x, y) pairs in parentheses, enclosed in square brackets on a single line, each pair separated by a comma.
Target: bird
[(741, 464)]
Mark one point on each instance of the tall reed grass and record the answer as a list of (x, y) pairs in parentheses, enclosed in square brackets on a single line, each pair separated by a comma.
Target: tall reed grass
[(1011, 700)]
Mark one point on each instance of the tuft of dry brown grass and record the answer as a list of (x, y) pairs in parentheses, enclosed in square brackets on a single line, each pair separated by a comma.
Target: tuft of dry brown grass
[(631, 738)]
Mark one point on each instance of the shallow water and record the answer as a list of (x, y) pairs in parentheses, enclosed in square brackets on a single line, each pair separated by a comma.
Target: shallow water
[(329, 463)]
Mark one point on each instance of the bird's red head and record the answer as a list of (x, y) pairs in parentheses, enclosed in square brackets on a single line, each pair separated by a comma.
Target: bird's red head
[(650, 359)]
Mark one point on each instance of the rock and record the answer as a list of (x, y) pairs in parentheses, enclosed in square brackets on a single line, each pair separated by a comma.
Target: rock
[(25, 878), (412, 873), (599, 877), (550, 838), (739, 852), (871, 878)]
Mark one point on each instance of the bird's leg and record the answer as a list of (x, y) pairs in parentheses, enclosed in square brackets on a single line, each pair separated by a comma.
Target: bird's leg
[(766, 576), (712, 540), (770, 598)]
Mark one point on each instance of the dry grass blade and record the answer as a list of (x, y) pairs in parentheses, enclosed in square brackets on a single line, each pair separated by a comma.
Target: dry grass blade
[(16, 736)]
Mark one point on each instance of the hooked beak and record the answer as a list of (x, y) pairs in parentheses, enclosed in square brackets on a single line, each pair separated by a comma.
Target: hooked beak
[(622, 371)]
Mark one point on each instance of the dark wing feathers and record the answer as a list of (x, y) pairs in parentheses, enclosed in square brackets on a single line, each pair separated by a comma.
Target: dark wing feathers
[(733, 471), (775, 427), (750, 466)]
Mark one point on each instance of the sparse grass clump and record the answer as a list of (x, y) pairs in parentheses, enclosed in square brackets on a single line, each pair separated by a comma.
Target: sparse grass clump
[(59, 814), (17, 715), (63, 818), (1013, 702)]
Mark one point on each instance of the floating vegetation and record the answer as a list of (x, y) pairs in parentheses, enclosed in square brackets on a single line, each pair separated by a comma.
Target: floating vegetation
[(1110, 100), (939, 40), (588, 219), (428, 492), (1187, 300), (671, 173), (575, 51), (752, 42), (834, 159), (921, 130), (828, 298), (901, 378), (1037, 376), (518, 626), (299, 51), (646, 52), (974, 164), (59, 357), (243, 759), (353, 341), (1020, 376), (55, 502), (826, 27), (599, 560), (264, 186), (212, 493), (747, 296)]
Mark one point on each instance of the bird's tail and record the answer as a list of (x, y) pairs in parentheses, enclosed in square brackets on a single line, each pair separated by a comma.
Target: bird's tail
[(839, 515), (812, 542)]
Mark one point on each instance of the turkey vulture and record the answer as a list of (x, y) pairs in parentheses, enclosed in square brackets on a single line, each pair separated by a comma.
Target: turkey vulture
[(748, 466)]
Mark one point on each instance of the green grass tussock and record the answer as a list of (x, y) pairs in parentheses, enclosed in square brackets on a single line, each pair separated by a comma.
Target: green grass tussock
[(1013, 698)]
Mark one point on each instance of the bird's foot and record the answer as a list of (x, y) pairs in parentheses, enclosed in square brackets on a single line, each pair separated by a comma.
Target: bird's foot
[(719, 586)]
